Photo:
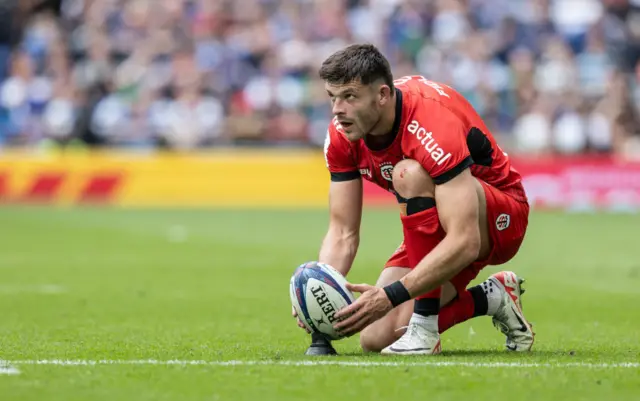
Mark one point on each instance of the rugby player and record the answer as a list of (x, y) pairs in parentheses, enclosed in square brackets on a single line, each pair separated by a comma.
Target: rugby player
[(463, 207)]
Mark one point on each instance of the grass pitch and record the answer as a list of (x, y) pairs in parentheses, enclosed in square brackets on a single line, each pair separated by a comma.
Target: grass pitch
[(99, 304)]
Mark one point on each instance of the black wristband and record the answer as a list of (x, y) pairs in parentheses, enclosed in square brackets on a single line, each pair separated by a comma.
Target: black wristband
[(397, 293)]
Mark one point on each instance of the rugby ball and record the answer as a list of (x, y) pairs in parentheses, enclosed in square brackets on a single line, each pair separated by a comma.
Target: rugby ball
[(317, 292)]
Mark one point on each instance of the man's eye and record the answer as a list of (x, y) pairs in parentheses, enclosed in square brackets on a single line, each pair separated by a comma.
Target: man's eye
[(350, 96)]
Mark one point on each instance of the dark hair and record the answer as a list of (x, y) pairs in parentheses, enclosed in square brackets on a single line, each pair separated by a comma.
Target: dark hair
[(359, 62)]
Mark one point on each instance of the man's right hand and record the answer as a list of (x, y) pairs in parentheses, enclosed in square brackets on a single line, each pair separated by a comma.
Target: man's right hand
[(300, 324)]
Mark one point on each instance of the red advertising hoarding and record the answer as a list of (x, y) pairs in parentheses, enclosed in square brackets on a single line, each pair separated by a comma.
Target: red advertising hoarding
[(568, 183)]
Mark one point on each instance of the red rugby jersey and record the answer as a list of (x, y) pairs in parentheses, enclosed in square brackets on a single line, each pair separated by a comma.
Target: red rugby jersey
[(434, 125)]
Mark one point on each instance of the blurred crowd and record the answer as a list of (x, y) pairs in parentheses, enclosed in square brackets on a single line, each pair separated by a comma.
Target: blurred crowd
[(547, 75)]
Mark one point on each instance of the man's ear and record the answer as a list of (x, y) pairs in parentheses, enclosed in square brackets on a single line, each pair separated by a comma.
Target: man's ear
[(384, 94)]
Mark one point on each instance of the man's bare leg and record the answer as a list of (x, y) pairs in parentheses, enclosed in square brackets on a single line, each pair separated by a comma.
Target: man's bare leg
[(385, 331)]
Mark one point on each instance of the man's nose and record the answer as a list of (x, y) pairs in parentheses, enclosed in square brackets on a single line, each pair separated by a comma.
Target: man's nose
[(338, 107)]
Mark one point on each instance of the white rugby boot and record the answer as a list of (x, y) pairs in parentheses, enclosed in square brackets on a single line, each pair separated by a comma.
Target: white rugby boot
[(508, 317), (417, 340)]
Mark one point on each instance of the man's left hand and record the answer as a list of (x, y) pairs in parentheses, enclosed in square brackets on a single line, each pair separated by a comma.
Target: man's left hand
[(372, 305)]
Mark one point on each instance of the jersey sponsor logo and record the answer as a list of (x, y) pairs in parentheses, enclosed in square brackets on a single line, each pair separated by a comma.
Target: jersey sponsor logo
[(430, 144), (365, 171), (503, 221), (386, 170)]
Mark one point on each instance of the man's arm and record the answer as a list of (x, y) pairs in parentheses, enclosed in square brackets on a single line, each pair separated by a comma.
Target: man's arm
[(458, 203), (343, 236), (458, 210)]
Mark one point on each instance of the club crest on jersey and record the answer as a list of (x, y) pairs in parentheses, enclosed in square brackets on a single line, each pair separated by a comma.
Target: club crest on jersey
[(430, 144), (386, 170), (503, 221)]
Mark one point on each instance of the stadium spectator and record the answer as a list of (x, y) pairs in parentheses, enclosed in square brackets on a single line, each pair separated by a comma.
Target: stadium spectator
[(547, 75)]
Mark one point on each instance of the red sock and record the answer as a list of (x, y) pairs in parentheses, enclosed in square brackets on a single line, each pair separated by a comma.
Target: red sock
[(422, 232), (458, 311)]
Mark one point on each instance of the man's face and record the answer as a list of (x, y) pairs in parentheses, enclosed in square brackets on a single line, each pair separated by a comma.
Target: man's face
[(356, 106)]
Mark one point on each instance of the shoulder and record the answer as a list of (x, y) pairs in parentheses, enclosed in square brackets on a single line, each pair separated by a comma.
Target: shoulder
[(435, 118), (436, 137), (417, 87), (335, 138), (428, 101), (338, 153)]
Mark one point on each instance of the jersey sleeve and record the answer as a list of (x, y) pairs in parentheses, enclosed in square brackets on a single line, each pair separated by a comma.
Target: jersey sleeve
[(338, 157), (438, 141)]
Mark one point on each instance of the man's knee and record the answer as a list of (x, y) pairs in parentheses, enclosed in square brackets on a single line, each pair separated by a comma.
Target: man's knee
[(410, 180), (376, 338), (384, 332), (369, 341)]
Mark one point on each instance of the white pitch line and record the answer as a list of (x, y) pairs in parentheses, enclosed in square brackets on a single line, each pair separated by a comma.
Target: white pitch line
[(8, 370), (45, 289), (154, 362)]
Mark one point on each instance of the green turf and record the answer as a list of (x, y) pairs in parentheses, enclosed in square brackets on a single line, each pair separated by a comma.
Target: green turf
[(98, 284)]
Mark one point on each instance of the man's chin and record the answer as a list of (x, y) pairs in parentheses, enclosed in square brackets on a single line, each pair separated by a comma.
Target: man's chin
[(353, 136)]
